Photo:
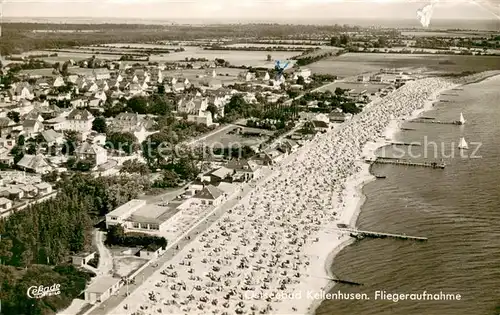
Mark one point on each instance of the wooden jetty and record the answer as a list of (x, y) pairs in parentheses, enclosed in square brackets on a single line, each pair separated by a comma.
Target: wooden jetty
[(406, 143), (359, 233), (396, 161), (340, 281), (430, 121)]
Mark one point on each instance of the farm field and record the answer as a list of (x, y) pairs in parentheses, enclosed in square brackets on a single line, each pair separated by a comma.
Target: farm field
[(294, 41), (191, 74), (351, 64), (272, 45), (65, 56), (141, 46), (236, 58), (439, 34)]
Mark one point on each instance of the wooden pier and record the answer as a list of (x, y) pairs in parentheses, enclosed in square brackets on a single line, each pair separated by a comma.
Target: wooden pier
[(360, 234), (395, 161), (430, 121), (416, 144)]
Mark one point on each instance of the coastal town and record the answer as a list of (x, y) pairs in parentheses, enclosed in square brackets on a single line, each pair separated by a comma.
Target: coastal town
[(179, 177)]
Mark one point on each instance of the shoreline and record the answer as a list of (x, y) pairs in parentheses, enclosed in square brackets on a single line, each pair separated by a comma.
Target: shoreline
[(302, 193), (357, 182)]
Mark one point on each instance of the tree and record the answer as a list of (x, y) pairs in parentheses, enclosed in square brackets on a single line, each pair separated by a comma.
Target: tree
[(269, 57), (339, 91), (169, 179), (71, 142), (134, 166), (121, 141), (138, 105), (334, 41), (213, 110), (300, 80), (5, 249), (64, 68), (344, 39), (161, 89), (381, 42), (99, 125), (14, 116), (186, 168)]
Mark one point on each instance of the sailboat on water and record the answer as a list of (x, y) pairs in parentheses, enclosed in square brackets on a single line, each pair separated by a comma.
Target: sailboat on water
[(461, 121), (463, 144)]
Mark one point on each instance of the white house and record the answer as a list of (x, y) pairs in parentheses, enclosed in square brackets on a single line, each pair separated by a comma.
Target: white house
[(305, 73), (79, 102), (82, 258), (80, 120), (209, 195), (23, 90), (58, 123), (32, 127), (102, 289), (151, 251), (203, 117), (92, 152), (43, 188), (52, 137), (34, 163), (59, 81), (5, 205), (118, 216)]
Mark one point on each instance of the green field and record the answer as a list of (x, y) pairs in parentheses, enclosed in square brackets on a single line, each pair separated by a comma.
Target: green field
[(351, 64)]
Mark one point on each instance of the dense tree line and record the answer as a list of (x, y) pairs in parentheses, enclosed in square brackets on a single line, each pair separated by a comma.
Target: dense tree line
[(239, 108), (341, 40), (47, 232), (116, 236), (310, 59), (328, 101), (254, 48), (43, 236), (15, 284), (153, 105), (18, 37)]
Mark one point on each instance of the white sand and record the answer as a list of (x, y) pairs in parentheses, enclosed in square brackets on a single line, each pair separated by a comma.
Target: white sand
[(270, 250)]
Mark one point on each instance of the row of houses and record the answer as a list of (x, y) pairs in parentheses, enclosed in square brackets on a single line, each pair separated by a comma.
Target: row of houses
[(18, 189)]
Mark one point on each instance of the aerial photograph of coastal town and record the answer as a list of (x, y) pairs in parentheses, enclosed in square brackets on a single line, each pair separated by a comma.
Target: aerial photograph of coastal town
[(315, 157)]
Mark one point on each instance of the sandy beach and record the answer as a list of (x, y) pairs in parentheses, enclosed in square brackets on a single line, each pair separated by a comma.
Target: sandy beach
[(272, 252)]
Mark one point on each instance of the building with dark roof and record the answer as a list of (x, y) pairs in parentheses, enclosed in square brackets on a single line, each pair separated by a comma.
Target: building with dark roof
[(210, 195)]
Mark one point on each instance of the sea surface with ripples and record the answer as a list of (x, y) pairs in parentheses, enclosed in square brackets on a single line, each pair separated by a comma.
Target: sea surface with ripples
[(457, 209)]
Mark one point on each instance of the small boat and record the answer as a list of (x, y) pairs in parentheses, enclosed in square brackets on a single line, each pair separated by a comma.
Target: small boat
[(380, 176), (461, 121), (463, 144)]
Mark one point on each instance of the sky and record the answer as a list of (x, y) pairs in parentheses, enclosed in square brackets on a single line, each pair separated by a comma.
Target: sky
[(244, 9)]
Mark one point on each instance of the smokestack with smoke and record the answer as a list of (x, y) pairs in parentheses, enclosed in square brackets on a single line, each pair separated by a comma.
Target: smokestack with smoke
[(424, 15)]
